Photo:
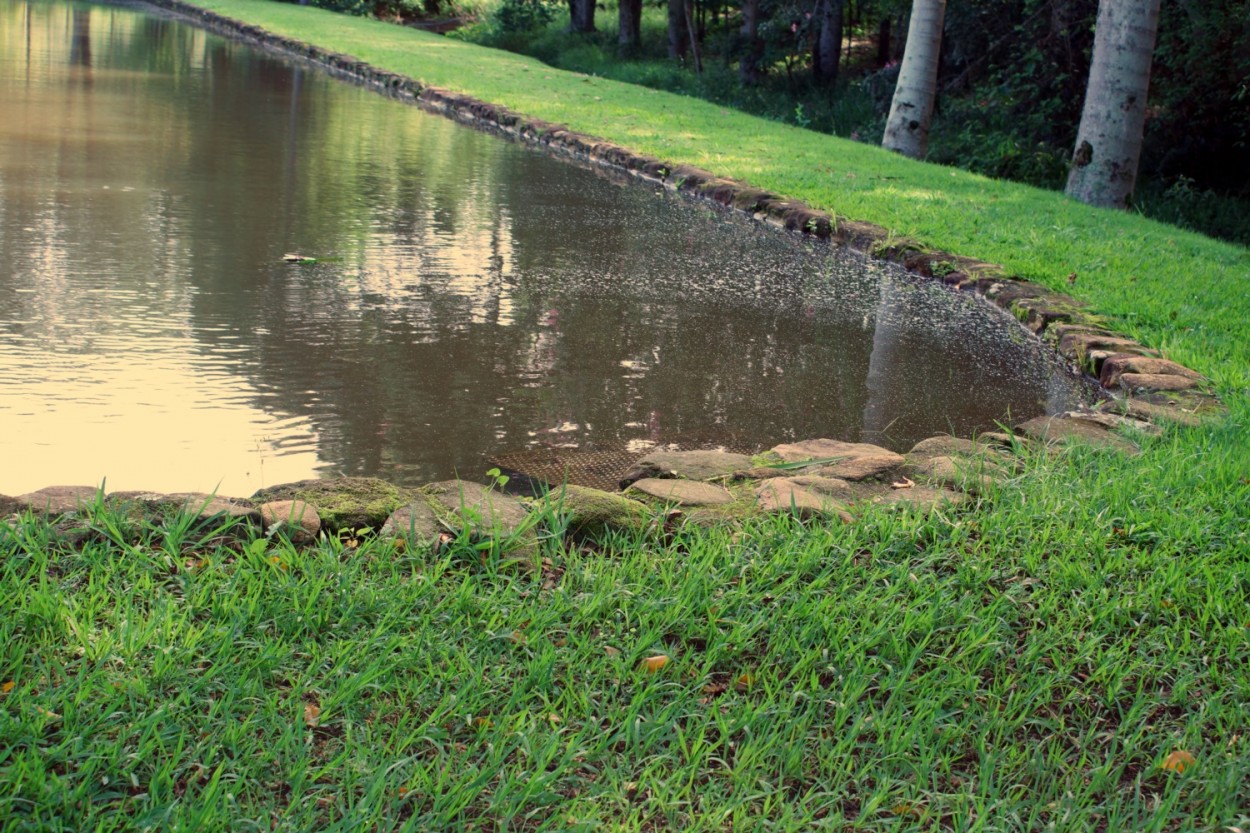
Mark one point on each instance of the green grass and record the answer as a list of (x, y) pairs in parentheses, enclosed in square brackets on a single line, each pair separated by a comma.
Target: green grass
[(900, 673), (1026, 663)]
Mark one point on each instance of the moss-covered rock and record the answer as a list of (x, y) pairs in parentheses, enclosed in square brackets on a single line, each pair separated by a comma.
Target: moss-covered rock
[(344, 502), (593, 511)]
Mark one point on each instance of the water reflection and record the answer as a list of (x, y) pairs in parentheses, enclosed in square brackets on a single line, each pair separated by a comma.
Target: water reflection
[(469, 296)]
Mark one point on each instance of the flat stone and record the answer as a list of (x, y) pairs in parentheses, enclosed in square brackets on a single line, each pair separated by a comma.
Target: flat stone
[(297, 518), (1116, 366), (1182, 413), (1114, 421), (58, 500), (823, 485), (759, 473), (944, 445), (865, 467), (1061, 430), (484, 514), (784, 495), (202, 504), (696, 465), (683, 492), (1155, 381), (415, 522), (923, 498), (998, 438), (824, 449), (1078, 343), (350, 503), (970, 475)]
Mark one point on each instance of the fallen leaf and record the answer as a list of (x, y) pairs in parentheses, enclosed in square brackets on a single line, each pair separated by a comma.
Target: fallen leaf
[(312, 715), (906, 808), (612, 652), (483, 722), (905, 483), (1179, 761), (7, 686), (655, 663), (48, 714), (744, 681), (518, 638)]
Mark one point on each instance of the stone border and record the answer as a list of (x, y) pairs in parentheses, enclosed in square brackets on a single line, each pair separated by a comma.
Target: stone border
[(823, 479), (1141, 384)]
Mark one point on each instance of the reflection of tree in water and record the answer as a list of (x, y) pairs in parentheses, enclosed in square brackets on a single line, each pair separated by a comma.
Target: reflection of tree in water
[(470, 296)]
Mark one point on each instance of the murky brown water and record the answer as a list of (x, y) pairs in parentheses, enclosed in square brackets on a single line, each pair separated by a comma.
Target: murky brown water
[(471, 297)]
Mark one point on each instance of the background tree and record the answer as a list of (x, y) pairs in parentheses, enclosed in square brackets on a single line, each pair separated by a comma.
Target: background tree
[(1108, 143), (907, 128), (629, 35), (827, 51), (581, 15)]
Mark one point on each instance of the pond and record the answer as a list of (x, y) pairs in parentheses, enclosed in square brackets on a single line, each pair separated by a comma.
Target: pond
[(470, 298)]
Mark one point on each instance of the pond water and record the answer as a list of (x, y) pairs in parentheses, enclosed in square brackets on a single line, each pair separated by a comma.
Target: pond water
[(470, 297)]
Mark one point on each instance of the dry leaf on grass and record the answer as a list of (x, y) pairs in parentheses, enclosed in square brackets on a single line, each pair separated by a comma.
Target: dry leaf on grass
[(7, 686), (655, 663), (1179, 761), (312, 715)]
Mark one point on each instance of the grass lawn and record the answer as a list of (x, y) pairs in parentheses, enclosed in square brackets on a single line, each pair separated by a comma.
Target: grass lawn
[(1071, 652)]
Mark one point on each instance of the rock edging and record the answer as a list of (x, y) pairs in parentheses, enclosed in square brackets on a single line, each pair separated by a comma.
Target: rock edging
[(821, 478)]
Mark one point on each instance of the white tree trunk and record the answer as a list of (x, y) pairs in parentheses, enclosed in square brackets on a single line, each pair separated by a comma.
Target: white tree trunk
[(1108, 144), (907, 129)]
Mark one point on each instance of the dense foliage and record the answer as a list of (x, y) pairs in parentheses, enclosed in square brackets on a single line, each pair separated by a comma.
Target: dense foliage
[(1011, 86)]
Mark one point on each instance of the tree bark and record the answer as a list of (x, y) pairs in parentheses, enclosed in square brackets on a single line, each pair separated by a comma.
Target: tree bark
[(1108, 142), (828, 48), (678, 38), (907, 129), (753, 47), (581, 15), (630, 38)]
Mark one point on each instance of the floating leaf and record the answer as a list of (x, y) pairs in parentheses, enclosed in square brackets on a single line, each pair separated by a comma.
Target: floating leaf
[(655, 663), (312, 715), (1179, 761)]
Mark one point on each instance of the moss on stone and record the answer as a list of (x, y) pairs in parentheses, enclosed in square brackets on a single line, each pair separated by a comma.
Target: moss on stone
[(593, 511), (344, 502)]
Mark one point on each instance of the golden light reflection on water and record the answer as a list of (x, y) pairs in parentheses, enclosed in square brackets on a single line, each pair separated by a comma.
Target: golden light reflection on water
[(467, 297)]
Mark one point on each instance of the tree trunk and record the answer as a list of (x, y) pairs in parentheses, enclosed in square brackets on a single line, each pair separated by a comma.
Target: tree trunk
[(581, 15), (693, 30), (677, 35), (630, 38), (907, 129), (828, 48), (1108, 143), (753, 47)]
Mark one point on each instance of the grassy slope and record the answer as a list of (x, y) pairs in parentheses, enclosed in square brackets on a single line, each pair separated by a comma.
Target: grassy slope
[(1172, 289), (1029, 662)]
